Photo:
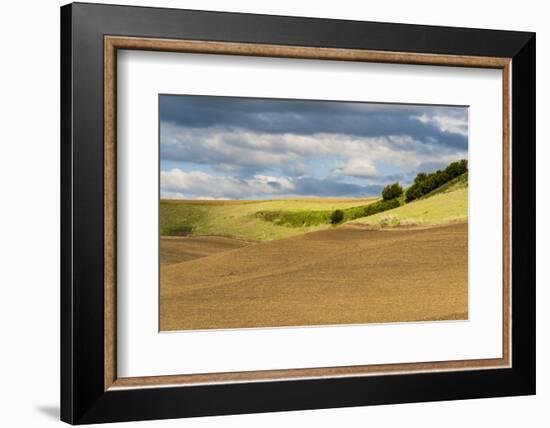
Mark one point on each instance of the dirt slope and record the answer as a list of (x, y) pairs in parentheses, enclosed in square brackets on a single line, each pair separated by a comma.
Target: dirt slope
[(175, 249), (343, 275)]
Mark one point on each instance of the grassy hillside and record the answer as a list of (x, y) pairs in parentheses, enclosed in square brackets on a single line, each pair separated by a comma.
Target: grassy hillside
[(282, 218), (448, 203), (239, 219)]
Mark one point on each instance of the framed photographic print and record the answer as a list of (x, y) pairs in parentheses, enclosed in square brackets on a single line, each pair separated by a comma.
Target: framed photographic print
[(266, 213)]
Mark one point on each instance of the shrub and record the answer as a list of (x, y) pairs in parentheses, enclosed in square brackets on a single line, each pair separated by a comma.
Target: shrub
[(295, 218), (183, 230), (337, 216), (392, 191), (370, 209)]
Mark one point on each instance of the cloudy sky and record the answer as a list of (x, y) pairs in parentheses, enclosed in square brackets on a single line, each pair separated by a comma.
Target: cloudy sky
[(255, 148)]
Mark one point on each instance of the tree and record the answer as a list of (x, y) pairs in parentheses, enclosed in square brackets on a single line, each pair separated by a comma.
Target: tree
[(413, 192), (420, 177), (392, 191), (337, 216)]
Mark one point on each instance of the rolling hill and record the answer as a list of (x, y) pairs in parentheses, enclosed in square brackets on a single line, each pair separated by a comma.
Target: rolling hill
[(239, 219), (342, 275), (246, 264), (282, 218), (446, 204)]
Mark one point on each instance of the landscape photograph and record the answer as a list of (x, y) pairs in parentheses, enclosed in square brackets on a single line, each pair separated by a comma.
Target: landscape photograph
[(292, 213)]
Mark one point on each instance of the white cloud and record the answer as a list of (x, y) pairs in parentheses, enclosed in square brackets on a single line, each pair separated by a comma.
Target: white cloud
[(200, 185), (360, 167), (238, 150), (453, 124)]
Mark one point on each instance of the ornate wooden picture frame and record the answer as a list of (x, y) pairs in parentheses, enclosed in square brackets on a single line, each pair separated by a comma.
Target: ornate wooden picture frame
[(91, 389)]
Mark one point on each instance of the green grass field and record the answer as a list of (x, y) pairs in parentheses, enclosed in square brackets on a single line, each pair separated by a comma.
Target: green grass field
[(239, 219)]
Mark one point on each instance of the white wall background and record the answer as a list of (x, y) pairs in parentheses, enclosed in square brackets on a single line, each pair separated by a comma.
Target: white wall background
[(29, 212)]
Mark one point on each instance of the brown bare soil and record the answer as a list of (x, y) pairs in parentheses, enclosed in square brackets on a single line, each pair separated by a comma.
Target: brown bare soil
[(175, 249), (345, 275)]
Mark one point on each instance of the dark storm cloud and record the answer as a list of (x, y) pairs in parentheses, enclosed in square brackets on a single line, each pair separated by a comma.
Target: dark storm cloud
[(242, 148), (276, 116)]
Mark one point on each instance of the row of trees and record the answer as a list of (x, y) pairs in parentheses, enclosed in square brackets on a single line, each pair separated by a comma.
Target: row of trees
[(423, 184), (426, 183)]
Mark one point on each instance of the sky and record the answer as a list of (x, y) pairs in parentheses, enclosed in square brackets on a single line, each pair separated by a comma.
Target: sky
[(259, 148)]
